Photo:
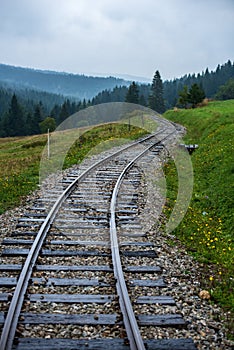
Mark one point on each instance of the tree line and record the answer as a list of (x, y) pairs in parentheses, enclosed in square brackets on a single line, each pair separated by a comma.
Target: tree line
[(20, 115), (23, 119), (207, 83), (20, 120)]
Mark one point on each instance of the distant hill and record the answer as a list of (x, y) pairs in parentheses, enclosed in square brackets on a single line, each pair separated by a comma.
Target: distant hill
[(72, 85)]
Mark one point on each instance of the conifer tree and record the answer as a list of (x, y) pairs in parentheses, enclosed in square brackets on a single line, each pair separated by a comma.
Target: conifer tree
[(183, 97), (13, 121), (64, 113), (132, 95), (37, 119), (196, 95), (156, 101)]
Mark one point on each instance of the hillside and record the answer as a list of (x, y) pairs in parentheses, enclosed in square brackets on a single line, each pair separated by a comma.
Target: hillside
[(75, 85), (207, 229)]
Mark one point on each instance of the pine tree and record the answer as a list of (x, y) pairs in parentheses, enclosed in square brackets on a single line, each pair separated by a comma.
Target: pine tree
[(14, 121), (64, 113), (84, 104), (156, 101), (132, 95), (183, 97), (30, 125), (142, 100), (37, 119), (196, 95)]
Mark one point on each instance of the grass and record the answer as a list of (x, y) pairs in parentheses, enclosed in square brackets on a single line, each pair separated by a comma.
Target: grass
[(20, 158), (207, 228), (19, 163)]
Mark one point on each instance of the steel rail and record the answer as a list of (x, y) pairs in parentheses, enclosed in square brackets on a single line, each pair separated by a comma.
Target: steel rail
[(10, 324), (131, 326)]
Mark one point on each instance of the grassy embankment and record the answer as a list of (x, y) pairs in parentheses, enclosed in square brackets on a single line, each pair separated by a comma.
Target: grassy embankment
[(20, 158), (207, 228)]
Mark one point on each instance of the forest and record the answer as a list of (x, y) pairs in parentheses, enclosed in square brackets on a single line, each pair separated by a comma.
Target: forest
[(28, 111)]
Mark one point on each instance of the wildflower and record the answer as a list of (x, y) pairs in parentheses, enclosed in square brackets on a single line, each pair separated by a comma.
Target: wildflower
[(211, 278)]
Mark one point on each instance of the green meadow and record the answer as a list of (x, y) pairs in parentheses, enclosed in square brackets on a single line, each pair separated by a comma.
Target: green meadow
[(20, 158), (207, 228)]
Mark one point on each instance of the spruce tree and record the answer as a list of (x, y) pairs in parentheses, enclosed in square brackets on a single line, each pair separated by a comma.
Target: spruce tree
[(183, 97), (156, 101), (37, 119), (14, 121), (64, 113), (196, 95), (132, 95)]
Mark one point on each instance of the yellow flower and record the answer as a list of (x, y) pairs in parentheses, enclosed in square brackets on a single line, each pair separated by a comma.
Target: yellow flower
[(211, 278)]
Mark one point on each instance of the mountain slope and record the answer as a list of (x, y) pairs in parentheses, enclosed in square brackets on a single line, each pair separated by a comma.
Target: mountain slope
[(75, 85)]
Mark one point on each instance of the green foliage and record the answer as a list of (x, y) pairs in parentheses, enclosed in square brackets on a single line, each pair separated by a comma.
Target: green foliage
[(226, 92), (194, 95), (48, 124), (183, 97), (209, 80), (207, 229), (156, 101), (132, 95), (13, 122)]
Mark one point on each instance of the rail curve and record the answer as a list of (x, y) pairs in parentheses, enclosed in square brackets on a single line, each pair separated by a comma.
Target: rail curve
[(130, 322)]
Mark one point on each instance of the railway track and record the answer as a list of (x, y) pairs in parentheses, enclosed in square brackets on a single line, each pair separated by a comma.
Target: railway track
[(79, 266)]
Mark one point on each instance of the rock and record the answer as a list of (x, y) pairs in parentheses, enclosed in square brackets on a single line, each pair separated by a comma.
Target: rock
[(204, 294)]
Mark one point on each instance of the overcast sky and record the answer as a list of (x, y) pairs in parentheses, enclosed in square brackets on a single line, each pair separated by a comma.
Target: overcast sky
[(135, 37)]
